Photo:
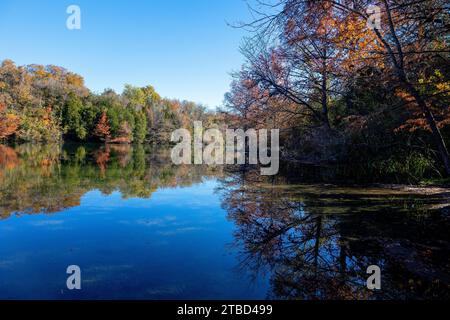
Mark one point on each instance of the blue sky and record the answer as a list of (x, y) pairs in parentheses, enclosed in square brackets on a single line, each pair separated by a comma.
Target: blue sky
[(184, 48)]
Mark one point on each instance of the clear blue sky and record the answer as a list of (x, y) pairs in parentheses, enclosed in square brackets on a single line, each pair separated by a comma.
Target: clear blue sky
[(183, 48)]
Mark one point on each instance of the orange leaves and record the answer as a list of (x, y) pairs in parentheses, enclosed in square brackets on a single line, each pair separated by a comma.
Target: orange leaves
[(121, 140), (75, 80), (358, 42), (276, 62), (248, 83), (327, 24), (9, 123), (102, 130), (8, 157), (102, 158), (47, 117), (418, 121), (290, 26), (445, 119), (405, 96)]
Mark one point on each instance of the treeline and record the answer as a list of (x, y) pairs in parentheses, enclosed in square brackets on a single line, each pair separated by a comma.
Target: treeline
[(347, 87), (49, 103)]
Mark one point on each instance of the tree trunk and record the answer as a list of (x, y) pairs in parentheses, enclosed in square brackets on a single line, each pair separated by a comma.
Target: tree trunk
[(326, 119), (324, 90), (436, 133), (400, 70)]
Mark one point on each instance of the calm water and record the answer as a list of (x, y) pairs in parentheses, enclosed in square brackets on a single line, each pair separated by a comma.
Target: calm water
[(142, 228)]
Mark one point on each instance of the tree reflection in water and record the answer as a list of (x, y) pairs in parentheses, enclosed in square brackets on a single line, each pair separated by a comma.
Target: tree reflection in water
[(316, 241), (50, 178)]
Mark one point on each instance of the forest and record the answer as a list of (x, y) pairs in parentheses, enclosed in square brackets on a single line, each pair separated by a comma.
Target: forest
[(51, 104), (361, 84)]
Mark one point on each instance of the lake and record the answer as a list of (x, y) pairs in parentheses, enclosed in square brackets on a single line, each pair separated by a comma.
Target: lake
[(140, 227)]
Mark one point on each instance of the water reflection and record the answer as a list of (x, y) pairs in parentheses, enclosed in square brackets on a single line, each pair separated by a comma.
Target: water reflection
[(312, 241), (47, 179), (316, 241)]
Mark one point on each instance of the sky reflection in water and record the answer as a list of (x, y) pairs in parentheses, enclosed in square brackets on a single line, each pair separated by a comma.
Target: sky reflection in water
[(141, 228)]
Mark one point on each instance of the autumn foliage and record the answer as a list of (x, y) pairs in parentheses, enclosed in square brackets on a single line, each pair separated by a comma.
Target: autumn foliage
[(347, 86), (49, 104), (102, 129), (9, 123)]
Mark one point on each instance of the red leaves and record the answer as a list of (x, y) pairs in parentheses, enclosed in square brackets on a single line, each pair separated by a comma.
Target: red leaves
[(9, 123), (102, 130)]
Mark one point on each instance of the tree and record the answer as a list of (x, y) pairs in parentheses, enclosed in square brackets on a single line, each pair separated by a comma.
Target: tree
[(50, 101), (140, 129), (295, 56), (102, 130), (125, 134), (72, 118), (305, 59), (412, 34), (9, 123)]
